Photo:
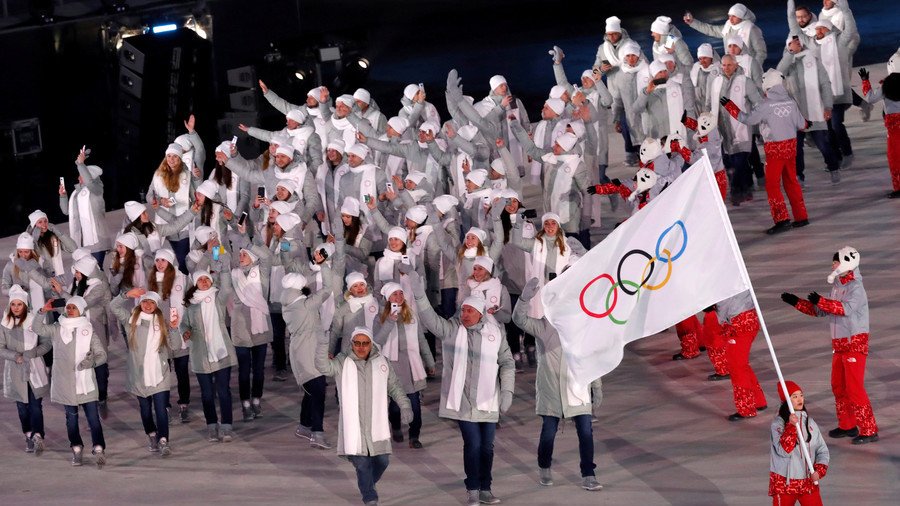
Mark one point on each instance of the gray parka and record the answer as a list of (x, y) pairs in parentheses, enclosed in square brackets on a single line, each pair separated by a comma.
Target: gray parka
[(123, 308), (16, 376), (62, 386)]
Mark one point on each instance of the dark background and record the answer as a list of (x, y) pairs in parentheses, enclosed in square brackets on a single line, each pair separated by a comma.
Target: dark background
[(61, 73)]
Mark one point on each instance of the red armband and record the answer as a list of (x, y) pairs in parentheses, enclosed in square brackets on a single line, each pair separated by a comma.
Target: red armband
[(788, 439), (831, 306)]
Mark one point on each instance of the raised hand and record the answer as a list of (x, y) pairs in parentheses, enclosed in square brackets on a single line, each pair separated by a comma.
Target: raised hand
[(263, 87), (189, 124), (790, 298)]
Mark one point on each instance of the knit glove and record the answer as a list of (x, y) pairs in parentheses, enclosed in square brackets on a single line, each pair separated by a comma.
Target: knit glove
[(866, 84), (616, 182), (596, 399), (730, 106), (405, 268), (417, 283), (505, 400), (87, 362), (814, 297), (529, 290), (454, 88), (406, 416), (557, 54), (496, 210), (863, 74), (790, 298)]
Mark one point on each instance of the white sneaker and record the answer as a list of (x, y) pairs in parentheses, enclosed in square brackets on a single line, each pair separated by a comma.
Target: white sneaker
[(591, 484), (546, 477)]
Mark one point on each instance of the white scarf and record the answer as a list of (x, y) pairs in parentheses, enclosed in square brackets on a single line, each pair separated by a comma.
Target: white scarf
[(418, 245), (300, 137), (628, 69), (82, 331), (831, 59), (536, 267), (91, 283), (350, 421), (326, 310), (385, 267), (154, 240), (182, 196), (745, 61), (540, 134), (153, 373), (742, 29), (487, 396), (37, 369), (576, 394), (697, 68), (566, 165), (86, 233), (367, 304), (835, 15), (249, 291), (174, 300), (815, 111), (492, 289), (737, 94), (611, 53), (674, 103), (367, 180), (459, 178), (212, 332), (391, 347)]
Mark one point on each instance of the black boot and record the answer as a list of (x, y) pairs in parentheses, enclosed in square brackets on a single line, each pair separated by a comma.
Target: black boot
[(861, 440), (781, 226), (718, 377), (839, 432)]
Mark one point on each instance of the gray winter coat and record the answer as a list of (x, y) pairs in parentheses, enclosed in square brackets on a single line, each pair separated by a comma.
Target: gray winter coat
[(241, 335), (401, 366), (655, 105), (779, 115), (123, 308), (305, 327), (62, 386), (794, 67), (193, 322), (94, 186), (752, 97), (755, 47), (16, 376), (792, 465)]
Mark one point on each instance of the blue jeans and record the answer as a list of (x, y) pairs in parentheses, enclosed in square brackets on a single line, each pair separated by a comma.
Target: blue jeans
[(214, 385), (99, 256), (837, 129), (251, 359), (415, 427), (182, 374), (742, 175), (181, 248), (147, 405), (102, 374), (823, 142), (585, 442), (368, 471), (626, 136), (279, 355), (478, 453), (312, 408), (31, 414), (92, 413)]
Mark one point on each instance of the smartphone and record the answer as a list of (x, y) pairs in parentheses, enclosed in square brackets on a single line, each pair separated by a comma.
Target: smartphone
[(171, 201), (285, 246), (367, 198), (390, 187), (512, 101), (243, 218), (670, 41), (659, 81), (395, 308), (323, 254), (215, 253), (173, 314), (62, 181), (405, 259), (551, 276), (58, 303), (261, 191), (486, 200), (234, 140)]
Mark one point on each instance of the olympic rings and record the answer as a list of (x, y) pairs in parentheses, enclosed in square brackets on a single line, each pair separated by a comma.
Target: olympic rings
[(629, 287), (663, 236)]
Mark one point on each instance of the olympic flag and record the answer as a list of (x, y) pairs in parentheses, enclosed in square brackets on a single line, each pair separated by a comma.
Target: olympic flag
[(673, 258)]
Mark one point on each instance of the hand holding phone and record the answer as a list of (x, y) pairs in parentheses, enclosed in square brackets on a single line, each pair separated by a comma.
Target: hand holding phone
[(405, 259), (242, 219), (261, 191), (395, 308)]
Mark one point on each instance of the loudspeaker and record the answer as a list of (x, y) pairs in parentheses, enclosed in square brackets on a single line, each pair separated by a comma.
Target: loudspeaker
[(243, 100), (131, 57), (130, 82), (242, 77)]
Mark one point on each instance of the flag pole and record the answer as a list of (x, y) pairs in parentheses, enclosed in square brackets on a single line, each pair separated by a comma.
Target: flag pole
[(745, 276)]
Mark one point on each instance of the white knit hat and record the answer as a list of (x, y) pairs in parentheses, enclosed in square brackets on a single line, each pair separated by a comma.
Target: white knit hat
[(630, 47), (151, 296), (485, 262), (497, 81), (416, 177), (498, 166), (659, 26), (398, 124), (249, 252), (410, 91), (444, 203), (567, 141), (578, 128), (78, 302), (294, 280), (656, 67), (209, 189), (184, 140), (86, 265), (287, 221), (286, 150), (296, 115), (80, 253), (389, 288), (772, 78), (467, 132), (508, 193), (288, 184), (200, 274), (398, 233), (705, 50), (165, 254), (556, 105), (35, 216), (477, 232), (477, 176), (16, 292), (613, 25), (354, 278), (174, 149), (739, 10), (734, 41), (359, 149), (429, 126), (893, 64), (282, 207), (25, 241), (551, 216), (361, 331), (417, 214), (362, 95), (315, 92), (665, 57), (346, 100), (337, 145), (824, 23), (280, 140), (557, 91), (350, 206), (129, 240), (203, 234), (475, 302), (95, 171)]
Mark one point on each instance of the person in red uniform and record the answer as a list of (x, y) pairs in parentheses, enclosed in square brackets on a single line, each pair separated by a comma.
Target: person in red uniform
[(847, 310), (711, 337), (740, 324)]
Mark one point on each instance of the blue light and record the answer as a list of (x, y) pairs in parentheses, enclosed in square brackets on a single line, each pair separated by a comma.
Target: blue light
[(171, 27)]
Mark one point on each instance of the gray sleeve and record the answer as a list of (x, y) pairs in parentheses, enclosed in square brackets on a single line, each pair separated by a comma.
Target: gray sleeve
[(507, 368), (259, 133), (706, 28), (758, 45), (241, 167), (440, 327), (282, 105), (93, 184), (98, 351), (326, 366)]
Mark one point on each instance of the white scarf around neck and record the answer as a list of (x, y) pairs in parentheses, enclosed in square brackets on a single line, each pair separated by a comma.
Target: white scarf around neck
[(250, 292), (37, 369), (86, 233), (212, 332), (391, 348), (815, 111), (80, 329), (351, 425), (487, 393), (152, 366)]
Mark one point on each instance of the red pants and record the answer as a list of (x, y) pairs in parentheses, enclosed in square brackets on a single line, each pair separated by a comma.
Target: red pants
[(848, 370), (813, 499), (892, 123), (781, 162), (711, 337), (740, 334), (689, 334), (722, 179)]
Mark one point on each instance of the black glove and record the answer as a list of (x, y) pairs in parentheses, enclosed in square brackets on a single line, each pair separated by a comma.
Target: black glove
[(814, 298), (710, 309), (592, 190), (724, 100), (684, 116), (863, 74), (616, 182), (530, 213), (790, 298)]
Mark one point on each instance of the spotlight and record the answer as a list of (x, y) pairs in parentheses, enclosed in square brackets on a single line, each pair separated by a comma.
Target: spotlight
[(168, 27), (115, 6), (192, 24), (363, 63), (300, 75), (42, 11)]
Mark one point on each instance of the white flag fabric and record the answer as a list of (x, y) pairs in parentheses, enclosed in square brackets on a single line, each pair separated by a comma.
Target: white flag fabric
[(673, 258)]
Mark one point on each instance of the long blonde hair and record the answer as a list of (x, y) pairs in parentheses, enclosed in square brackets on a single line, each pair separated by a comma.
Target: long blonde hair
[(406, 316), (170, 177), (163, 329), (560, 239)]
